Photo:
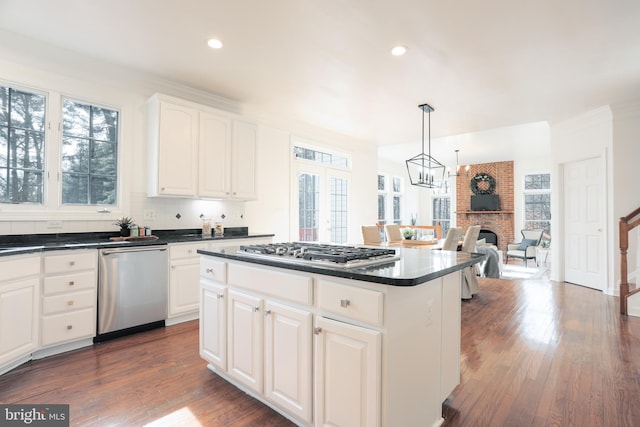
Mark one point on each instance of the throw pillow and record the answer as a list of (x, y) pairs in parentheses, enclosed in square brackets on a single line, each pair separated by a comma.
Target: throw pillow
[(526, 243)]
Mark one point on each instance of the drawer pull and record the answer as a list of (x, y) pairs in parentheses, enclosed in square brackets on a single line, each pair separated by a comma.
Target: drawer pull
[(317, 331), (220, 295), (345, 303), (190, 251), (70, 302), (69, 327), (72, 263), (210, 270), (71, 283), (255, 309)]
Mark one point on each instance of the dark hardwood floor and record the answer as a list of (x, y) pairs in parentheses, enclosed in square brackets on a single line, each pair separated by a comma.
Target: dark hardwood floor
[(534, 353)]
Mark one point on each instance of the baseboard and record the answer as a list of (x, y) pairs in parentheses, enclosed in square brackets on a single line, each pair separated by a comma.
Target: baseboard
[(182, 318)]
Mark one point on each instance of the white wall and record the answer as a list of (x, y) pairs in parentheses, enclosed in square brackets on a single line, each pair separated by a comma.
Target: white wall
[(30, 64), (609, 133)]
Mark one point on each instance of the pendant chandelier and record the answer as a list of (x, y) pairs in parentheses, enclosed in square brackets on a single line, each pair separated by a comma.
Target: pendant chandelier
[(458, 173), (423, 169)]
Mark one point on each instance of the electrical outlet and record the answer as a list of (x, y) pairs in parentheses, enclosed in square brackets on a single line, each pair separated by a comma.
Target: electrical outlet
[(149, 214), (54, 225)]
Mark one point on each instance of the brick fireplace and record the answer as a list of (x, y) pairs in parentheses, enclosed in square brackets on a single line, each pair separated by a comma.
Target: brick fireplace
[(499, 222)]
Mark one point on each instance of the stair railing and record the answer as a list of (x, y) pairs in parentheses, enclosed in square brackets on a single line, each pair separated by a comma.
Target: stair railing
[(626, 224)]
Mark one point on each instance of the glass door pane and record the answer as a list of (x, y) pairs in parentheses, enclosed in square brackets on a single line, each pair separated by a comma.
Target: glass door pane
[(338, 197), (308, 207)]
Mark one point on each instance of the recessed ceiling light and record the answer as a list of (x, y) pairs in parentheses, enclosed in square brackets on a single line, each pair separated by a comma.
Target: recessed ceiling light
[(398, 50), (214, 43)]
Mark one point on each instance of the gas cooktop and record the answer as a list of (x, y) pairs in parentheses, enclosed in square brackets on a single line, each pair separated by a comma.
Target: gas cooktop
[(321, 254)]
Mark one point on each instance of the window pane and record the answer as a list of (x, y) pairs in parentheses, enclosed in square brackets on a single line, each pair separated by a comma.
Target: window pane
[(537, 182), (308, 208), (381, 182), (321, 157), (26, 110), (397, 185), (396, 209), (105, 124), (75, 155), (382, 201), (338, 211), (89, 154), (22, 118)]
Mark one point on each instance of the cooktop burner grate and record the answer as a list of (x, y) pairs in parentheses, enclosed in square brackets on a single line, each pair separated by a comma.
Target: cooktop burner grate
[(322, 253)]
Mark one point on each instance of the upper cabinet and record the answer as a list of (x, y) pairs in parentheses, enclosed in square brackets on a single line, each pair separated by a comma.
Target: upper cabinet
[(199, 152)]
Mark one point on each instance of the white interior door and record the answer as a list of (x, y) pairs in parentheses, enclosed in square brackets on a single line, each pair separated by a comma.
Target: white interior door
[(584, 201), (321, 204)]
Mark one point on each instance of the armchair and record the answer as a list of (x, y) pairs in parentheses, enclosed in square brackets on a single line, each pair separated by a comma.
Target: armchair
[(526, 249)]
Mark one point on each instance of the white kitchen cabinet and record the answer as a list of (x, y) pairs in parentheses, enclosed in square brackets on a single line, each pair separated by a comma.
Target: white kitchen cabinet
[(69, 296), (243, 160), (198, 152), (19, 309), (245, 339), (184, 276), (213, 324), (214, 168), (287, 358), (173, 149), (347, 379)]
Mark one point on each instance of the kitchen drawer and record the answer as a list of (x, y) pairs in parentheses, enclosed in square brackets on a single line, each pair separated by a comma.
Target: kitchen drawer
[(213, 270), (71, 326), (292, 287), (70, 282), (70, 261), (186, 250), (349, 301), (68, 302), (19, 266)]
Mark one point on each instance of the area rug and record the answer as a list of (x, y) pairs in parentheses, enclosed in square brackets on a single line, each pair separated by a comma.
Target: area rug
[(520, 272)]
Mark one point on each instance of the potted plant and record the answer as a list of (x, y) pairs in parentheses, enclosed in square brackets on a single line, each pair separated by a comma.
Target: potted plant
[(125, 223), (407, 233)]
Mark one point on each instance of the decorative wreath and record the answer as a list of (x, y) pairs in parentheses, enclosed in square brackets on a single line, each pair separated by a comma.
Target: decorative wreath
[(483, 177)]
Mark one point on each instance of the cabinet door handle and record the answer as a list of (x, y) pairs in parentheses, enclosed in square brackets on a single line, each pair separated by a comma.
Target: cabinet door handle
[(71, 283), (317, 331), (255, 309), (70, 302), (345, 303), (267, 312), (220, 295), (69, 327)]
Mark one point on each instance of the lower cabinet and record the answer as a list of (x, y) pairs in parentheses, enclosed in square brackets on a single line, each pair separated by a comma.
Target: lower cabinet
[(347, 374), (69, 304), (257, 342), (19, 312)]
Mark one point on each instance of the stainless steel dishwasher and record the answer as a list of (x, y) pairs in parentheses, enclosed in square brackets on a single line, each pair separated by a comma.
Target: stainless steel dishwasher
[(132, 290)]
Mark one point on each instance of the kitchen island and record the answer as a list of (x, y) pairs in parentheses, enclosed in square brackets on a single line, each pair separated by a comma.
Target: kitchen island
[(327, 345)]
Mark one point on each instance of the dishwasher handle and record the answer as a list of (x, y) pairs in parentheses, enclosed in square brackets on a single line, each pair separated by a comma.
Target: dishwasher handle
[(133, 249)]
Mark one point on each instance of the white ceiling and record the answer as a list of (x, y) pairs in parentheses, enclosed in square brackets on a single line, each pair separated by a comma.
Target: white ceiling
[(480, 64)]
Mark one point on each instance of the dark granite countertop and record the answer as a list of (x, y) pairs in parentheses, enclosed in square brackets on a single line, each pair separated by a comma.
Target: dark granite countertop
[(414, 267), (29, 243)]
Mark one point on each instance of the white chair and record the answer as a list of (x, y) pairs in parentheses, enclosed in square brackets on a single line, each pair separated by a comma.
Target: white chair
[(470, 283), (452, 239), (526, 249), (393, 233), (371, 235)]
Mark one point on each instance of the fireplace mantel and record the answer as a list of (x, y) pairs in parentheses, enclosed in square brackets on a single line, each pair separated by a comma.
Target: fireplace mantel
[(483, 212)]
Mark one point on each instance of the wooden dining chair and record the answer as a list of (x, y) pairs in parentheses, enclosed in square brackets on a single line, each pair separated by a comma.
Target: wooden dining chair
[(371, 235)]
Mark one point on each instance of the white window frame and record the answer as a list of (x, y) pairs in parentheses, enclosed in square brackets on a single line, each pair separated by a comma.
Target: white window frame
[(526, 192), (446, 195), (52, 208), (299, 164)]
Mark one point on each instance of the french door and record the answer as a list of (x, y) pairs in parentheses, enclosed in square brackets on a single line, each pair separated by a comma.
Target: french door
[(321, 204), (584, 200)]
